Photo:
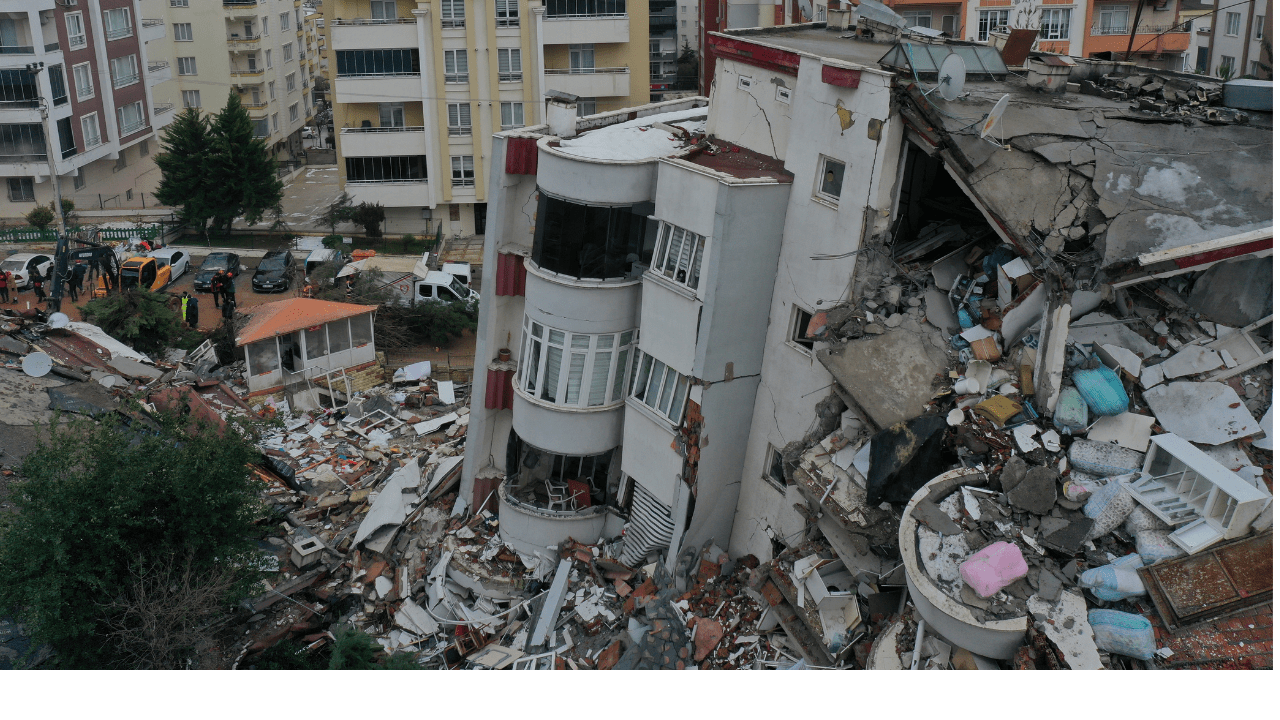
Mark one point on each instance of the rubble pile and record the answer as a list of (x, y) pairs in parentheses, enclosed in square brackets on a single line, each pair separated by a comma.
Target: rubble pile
[(1167, 95)]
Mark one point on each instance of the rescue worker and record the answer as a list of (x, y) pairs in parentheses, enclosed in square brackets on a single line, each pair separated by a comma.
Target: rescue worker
[(182, 305), (72, 290), (78, 271), (37, 284), (4, 287), (228, 288), (193, 311), (215, 286)]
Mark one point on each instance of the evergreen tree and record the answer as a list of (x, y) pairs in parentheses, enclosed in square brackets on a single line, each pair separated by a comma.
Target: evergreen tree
[(183, 162), (242, 168)]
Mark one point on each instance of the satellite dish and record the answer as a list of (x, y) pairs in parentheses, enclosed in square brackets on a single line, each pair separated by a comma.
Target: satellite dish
[(58, 320), (37, 364), (994, 116), (951, 77)]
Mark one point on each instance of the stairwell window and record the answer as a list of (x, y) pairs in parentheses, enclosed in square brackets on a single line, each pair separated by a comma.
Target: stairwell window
[(118, 23), (512, 115), (464, 170), (574, 369), (455, 67), (182, 32), (658, 387), (1055, 24), (453, 13), (459, 119), (186, 66), (508, 13), (679, 255), (509, 65)]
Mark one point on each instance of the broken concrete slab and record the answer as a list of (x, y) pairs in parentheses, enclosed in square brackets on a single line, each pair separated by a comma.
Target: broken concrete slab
[(1191, 360), (1114, 333), (1037, 491), (393, 504), (930, 514), (83, 398), (1070, 630), (134, 369), (1234, 293), (23, 399), (1208, 412), (1119, 358), (1127, 429), (888, 376), (1070, 538)]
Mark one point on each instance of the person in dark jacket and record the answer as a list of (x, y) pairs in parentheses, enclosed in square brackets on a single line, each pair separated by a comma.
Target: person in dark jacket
[(71, 288), (37, 284), (215, 286), (228, 288), (193, 311), (78, 272), (4, 286)]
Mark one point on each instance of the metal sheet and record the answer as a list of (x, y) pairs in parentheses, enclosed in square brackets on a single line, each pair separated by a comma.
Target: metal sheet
[(1213, 583)]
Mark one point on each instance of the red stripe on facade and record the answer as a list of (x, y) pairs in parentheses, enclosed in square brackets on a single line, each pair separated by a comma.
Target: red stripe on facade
[(768, 58), (1223, 253)]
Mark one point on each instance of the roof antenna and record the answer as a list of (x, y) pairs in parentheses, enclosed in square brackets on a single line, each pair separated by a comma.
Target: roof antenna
[(993, 119), (951, 77)]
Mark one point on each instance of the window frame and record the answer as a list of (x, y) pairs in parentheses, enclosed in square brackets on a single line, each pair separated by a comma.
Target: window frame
[(453, 14), (459, 76), (772, 457), (72, 44), (1232, 18), (799, 324), (185, 104), (128, 23), (190, 32), (819, 190), (611, 353), (287, 51), (505, 56), (670, 260), (985, 27), (1109, 12), (643, 379), (132, 80), (24, 183), (284, 21), (189, 60), (97, 129), (506, 13), (1063, 23), (507, 113), (454, 116), (291, 83), (142, 119), (458, 170), (293, 113)]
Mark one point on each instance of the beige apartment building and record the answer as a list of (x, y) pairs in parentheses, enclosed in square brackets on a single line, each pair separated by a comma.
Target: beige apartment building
[(418, 89), (267, 51)]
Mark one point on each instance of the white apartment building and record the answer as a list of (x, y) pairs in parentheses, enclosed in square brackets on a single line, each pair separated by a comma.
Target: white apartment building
[(266, 51), (1239, 33), (104, 97)]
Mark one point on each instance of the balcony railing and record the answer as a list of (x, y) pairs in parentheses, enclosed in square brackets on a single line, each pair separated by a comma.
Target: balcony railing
[(51, 47), (375, 21), (1142, 29), (237, 4), (586, 71), (244, 39), (161, 108), (70, 152), (584, 14), (152, 22), (17, 50), (447, 23), (246, 73), (157, 66), (251, 105), (662, 56), (392, 129), (510, 76), (132, 128), (125, 81), (26, 157), (118, 33)]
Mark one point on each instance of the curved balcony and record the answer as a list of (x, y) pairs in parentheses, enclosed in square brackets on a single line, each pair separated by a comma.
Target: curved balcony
[(531, 528), (583, 245), (580, 306), (569, 430), (588, 180)]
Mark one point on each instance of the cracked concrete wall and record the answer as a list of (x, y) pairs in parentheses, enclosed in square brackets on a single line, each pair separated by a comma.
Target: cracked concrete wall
[(1122, 182), (792, 381), (747, 110)]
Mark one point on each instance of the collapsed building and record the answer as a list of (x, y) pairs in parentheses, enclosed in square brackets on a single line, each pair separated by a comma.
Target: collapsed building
[(760, 325)]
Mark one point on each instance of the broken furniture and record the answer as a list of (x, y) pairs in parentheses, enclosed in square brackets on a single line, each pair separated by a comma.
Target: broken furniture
[(1185, 487)]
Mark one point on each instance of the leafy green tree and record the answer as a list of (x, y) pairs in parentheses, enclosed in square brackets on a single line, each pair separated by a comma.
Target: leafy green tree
[(425, 322), (185, 182), (40, 217), (138, 318), (242, 168), (370, 215), (354, 650), (338, 212), (102, 500)]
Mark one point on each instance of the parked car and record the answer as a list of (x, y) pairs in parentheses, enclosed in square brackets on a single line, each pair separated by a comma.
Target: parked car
[(23, 266), (214, 262), (275, 272), (319, 257), (176, 260)]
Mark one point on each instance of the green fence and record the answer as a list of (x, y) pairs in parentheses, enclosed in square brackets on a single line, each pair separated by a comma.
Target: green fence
[(49, 235)]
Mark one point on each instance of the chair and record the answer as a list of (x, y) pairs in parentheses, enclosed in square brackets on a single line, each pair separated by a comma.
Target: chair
[(559, 497)]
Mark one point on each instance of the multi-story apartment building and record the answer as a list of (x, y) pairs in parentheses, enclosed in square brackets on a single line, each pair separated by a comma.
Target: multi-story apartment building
[(102, 92), (1198, 17), (266, 51), (1083, 28), (1240, 39), (664, 46), (689, 16), (418, 88)]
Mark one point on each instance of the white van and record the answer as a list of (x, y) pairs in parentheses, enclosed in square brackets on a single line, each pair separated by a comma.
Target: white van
[(317, 258)]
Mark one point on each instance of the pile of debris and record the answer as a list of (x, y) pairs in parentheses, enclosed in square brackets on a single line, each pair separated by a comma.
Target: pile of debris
[(1167, 95)]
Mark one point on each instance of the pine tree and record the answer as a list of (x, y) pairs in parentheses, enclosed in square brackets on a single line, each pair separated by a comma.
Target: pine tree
[(242, 167), (183, 161)]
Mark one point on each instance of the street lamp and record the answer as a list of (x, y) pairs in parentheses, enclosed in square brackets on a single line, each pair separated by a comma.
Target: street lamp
[(60, 256)]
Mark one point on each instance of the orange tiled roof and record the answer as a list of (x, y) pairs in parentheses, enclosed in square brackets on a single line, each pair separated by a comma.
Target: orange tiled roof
[(286, 316)]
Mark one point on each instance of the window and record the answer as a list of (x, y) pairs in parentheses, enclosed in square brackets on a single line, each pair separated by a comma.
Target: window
[(586, 106), (131, 118), (191, 98), (378, 10), (260, 128), (66, 138), (77, 180), (186, 66), (122, 162), (453, 13), (271, 90), (459, 119), (391, 114), (284, 16), (800, 319), (266, 27), (1227, 67), (591, 375), (989, 20), (144, 148), (1255, 66), (124, 71), (19, 87), (22, 190), (455, 66), (1233, 23), (509, 65), (1055, 24), (404, 168), (381, 62), (118, 23), (684, 23), (58, 84), (512, 115), (293, 112), (590, 241), (263, 357), (918, 18), (678, 256), (268, 59), (178, 3), (291, 82), (586, 8), (830, 178), (508, 13), (288, 52), (776, 470), (582, 58), (464, 171), (182, 32), (89, 129), (361, 330), (659, 387), (1259, 26), (275, 122), (1112, 20), (75, 31)]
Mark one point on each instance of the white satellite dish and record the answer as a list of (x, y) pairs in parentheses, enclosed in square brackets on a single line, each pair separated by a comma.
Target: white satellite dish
[(58, 320), (994, 116), (37, 364), (951, 77)]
